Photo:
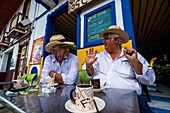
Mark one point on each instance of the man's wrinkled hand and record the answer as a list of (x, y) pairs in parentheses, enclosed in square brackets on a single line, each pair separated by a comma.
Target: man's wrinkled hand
[(91, 56)]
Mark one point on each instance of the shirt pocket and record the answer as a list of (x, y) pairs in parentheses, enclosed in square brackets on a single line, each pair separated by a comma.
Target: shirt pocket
[(126, 70)]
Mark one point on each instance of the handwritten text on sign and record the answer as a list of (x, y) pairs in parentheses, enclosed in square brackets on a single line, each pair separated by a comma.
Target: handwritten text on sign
[(75, 4), (97, 23)]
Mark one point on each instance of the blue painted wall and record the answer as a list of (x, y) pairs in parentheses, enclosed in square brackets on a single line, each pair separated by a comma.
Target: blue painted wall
[(49, 31), (128, 26), (127, 18)]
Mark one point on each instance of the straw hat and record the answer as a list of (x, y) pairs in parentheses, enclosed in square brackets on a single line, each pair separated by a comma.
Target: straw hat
[(116, 30), (56, 40)]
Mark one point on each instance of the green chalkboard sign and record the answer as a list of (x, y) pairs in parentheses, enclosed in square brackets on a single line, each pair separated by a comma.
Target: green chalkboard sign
[(97, 23)]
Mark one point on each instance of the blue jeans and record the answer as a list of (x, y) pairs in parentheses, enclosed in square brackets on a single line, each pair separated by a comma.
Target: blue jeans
[(143, 105)]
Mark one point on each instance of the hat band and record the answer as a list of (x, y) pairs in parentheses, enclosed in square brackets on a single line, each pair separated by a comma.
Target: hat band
[(62, 40), (110, 33)]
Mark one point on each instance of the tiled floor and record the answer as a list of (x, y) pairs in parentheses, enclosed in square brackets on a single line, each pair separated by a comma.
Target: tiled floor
[(160, 97)]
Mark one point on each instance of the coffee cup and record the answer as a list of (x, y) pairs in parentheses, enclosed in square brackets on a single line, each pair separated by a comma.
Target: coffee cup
[(17, 84), (84, 97)]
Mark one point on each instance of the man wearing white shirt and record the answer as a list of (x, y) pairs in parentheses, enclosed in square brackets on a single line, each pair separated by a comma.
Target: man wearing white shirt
[(60, 65), (119, 67)]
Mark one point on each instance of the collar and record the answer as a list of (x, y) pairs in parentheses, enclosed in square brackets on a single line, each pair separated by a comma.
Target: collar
[(54, 59), (121, 54), (121, 57)]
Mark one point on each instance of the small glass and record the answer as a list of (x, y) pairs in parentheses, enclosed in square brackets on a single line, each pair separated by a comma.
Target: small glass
[(49, 87)]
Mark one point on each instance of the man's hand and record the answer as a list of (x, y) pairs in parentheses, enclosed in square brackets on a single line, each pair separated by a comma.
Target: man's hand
[(131, 55), (90, 57), (58, 77)]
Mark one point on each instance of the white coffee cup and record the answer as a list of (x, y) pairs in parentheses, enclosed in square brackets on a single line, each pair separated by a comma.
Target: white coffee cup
[(84, 97), (18, 83)]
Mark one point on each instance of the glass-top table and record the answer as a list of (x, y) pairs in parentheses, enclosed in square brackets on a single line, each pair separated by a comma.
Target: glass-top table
[(116, 101)]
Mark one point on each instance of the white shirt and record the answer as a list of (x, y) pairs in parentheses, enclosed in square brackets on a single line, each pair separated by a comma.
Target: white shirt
[(68, 69), (119, 73)]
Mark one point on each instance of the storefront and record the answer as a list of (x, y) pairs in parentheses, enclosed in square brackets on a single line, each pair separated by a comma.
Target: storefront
[(79, 21), (82, 21)]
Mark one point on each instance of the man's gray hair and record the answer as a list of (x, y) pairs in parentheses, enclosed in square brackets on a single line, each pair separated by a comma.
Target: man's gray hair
[(113, 36), (54, 48)]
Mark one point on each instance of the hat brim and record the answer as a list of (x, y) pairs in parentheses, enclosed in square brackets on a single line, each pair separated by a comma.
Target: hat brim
[(121, 33), (51, 44)]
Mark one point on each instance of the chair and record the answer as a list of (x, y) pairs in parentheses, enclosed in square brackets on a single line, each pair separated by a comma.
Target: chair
[(152, 61), (145, 90), (31, 78), (144, 87), (24, 77), (84, 77)]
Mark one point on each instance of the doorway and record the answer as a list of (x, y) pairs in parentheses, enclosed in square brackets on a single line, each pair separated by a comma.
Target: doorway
[(60, 22), (66, 24), (8, 73)]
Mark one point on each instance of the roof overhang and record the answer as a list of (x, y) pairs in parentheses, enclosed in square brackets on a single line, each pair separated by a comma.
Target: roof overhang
[(3, 45), (16, 32), (7, 10), (48, 4)]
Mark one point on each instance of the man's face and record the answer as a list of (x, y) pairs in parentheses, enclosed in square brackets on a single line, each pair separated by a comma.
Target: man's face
[(108, 42), (63, 50)]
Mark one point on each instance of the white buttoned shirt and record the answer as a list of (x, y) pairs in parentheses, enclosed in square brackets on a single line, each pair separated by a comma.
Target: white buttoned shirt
[(119, 73), (68, 69)]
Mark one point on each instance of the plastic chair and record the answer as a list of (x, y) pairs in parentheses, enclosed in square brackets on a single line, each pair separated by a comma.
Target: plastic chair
[(152, 61), (84, 78), (24, 77), (145, 89), (30, 78)]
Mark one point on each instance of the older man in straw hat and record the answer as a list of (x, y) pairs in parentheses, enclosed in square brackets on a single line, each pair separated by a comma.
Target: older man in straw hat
[(60, 65), (119, 67)]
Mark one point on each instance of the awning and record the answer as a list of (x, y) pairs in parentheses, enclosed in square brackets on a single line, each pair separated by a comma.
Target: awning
[(3, 45), (48, 4), (16, 33)]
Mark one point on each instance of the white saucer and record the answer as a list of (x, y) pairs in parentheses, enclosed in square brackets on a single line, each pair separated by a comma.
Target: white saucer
[(99, 90), (55, 84), (71, 107)]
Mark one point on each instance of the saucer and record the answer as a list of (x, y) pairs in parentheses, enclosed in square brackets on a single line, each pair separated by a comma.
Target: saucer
[(99, 90), (71, 107), (55, 84), (19, 89)]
